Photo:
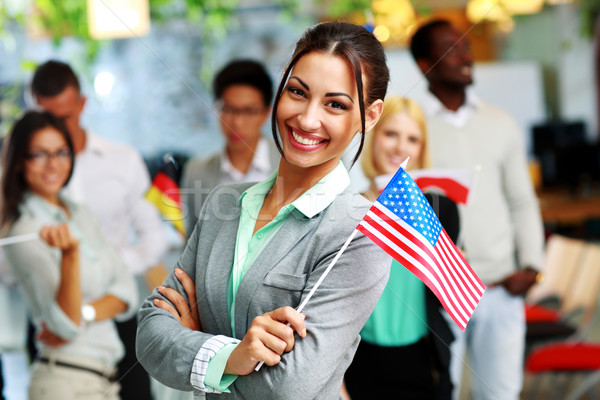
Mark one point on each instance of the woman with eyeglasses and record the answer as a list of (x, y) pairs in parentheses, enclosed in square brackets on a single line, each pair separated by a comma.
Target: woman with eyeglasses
[(73, 279)]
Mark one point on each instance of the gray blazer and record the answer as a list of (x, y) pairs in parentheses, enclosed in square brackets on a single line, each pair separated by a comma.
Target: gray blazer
[(281, 276), (201, 175)]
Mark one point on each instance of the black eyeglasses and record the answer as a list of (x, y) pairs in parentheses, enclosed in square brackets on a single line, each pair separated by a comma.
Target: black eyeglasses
[(245, 112), (43, 157)]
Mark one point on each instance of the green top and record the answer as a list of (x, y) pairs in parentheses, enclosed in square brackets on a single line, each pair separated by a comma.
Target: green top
[(248, 246), (399, 319)]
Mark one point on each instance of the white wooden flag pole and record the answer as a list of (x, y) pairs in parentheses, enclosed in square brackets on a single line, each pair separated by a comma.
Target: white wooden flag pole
[(18, 239)]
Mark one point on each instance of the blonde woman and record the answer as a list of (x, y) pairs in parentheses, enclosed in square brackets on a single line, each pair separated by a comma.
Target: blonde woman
[(405, 339)]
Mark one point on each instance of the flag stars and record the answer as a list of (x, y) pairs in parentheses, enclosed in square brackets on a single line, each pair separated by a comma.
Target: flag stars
[(404, 199)]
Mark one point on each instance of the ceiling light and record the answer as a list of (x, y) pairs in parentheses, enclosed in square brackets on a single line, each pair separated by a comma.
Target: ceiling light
[(109, 19)]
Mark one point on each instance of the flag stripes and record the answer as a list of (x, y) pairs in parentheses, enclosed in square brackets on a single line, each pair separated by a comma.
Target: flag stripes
[(166, 184), (449, 252), (167, 206), (441, 267), (413, 265)]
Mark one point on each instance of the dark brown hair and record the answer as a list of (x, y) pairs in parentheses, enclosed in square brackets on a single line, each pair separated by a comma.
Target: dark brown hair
[(359, 48), (52, 78), (420, 43), (13, 161), (244, 72)]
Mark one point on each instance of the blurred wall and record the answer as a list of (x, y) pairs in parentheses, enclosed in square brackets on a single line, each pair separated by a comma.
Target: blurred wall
[(160, 103)]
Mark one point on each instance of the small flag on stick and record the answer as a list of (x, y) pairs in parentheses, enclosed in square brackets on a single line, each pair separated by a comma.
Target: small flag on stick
[(402, 223), (164, 193)]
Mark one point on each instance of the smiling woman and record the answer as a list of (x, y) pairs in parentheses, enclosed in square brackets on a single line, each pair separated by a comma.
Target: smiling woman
[(48, 164), (257, 250), (316, 112)]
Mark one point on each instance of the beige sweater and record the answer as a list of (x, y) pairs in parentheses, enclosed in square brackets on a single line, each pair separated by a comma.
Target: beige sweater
[(501, 226)]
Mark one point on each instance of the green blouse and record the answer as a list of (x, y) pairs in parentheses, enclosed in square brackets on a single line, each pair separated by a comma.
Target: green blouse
[(399, 319)]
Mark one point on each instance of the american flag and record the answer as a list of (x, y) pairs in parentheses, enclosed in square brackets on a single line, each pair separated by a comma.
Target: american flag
[(402, 223)]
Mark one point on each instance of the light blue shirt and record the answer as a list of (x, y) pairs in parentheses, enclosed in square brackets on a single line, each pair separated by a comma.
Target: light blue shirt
[(37, 267)]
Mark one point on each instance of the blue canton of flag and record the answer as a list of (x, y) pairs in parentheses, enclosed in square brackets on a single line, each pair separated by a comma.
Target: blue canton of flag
[(404, 198)]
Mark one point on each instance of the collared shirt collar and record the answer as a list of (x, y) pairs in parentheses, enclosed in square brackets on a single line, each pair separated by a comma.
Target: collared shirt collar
[(94, 144), (260, 161), (315, 199), (434, 107), (45, 211)]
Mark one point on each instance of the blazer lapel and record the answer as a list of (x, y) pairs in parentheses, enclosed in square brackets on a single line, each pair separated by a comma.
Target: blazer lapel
[(293, 230), (218, 270)]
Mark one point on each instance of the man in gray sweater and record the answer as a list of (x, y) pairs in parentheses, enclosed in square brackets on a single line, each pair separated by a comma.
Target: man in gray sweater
[(502, 231)]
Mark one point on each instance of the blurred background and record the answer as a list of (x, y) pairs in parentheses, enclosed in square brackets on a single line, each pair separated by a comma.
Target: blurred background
[(146, 68)]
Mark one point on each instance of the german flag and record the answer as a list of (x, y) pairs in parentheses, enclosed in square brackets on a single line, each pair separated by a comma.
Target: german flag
[(164, 193)]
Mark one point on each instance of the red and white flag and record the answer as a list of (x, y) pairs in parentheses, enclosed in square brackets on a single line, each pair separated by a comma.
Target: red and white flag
[(455, 184), (402, 223)]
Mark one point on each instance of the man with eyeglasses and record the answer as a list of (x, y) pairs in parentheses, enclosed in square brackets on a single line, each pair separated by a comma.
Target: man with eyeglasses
[(243, 92), (111, 179)]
